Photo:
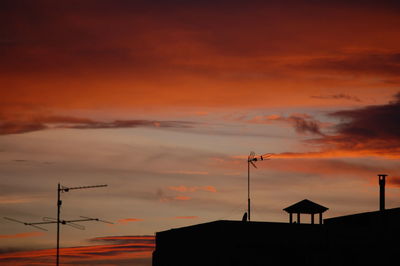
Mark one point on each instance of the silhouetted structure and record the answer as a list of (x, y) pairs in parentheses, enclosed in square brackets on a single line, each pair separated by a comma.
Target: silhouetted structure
[(237, 243), (382, 182), (244, 218), (360, 239), (370, 238), (305, 206)]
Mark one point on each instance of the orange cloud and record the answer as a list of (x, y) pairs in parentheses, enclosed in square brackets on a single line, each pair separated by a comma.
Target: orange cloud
[(118, 249), (209, 188), (201, 113), (185, 172), (184, 198), (326, 166), (325, 154), (197, 64), (23, 235), (128, 220), (182, 188)]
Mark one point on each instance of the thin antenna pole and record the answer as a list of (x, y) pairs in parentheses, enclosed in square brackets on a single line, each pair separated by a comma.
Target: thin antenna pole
[(248, 190), (59, 202), (250, 160), (58, 224)]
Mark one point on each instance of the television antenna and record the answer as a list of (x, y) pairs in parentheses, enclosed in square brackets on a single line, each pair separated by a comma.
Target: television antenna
[(250, 160), (58, 220)]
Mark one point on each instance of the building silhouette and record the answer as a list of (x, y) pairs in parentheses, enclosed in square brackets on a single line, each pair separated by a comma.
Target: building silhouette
[(308, 207), (370, 238)]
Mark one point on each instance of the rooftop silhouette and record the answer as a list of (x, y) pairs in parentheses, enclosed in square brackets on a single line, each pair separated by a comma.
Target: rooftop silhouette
[(368, 238), (305, 206)]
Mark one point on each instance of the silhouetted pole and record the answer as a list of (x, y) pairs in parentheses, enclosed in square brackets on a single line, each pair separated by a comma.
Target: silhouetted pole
[(59, 202), (248, 189), (382, 181), (250, 160), (58, 222)]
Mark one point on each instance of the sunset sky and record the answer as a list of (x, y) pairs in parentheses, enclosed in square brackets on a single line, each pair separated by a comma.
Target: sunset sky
[(164, 100)]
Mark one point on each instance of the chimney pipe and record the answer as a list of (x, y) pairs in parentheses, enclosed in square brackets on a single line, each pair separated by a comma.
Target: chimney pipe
[(382, 181)]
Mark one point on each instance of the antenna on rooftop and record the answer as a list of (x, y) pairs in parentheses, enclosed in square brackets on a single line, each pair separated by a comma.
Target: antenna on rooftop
[(250, 160), (58, 220)]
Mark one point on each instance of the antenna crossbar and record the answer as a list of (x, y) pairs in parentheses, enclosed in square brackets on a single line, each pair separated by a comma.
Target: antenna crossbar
[(97, 219), (66, 189), (30, 224)]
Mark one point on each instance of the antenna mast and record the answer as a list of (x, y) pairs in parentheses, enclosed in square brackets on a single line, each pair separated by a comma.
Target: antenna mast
[(47, 220), (250, 160), (61, 189)]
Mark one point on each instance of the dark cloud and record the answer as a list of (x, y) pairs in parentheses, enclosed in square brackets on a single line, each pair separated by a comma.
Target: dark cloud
[(132, 123), (145, 239), (10, 250), (80, 37), (394, 180), (17, 128), (41, 123), (373, 128), (387, 64), (302, 123), (368, 131), (337, 97), (64, 119)]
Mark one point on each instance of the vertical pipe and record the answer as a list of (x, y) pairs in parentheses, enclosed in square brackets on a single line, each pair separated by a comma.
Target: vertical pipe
[(382, 181), (58, 223), (248, 189)]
